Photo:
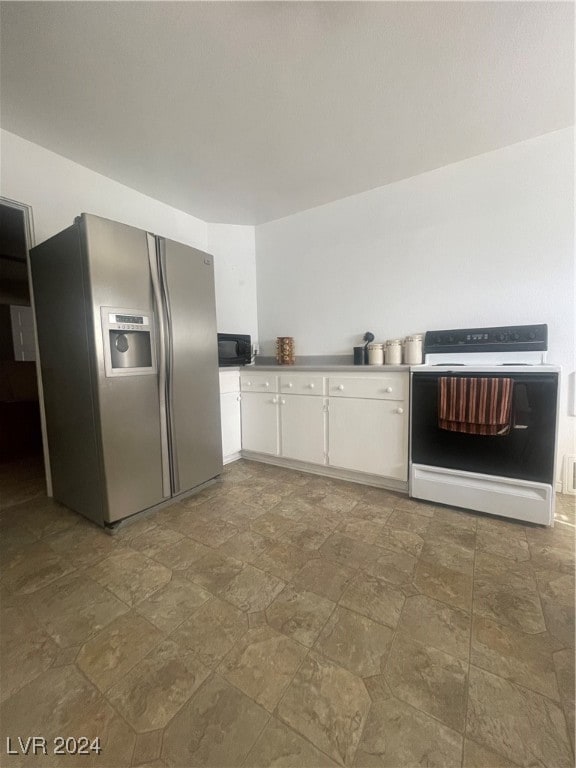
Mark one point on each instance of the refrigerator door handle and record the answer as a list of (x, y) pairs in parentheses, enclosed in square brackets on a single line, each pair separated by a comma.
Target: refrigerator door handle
[(174, 475), (155, 277)]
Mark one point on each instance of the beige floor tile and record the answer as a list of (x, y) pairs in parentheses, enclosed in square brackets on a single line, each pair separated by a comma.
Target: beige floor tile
[(395, 567), (307, 537), (445, 584), (279, 747), (44, 516), (377, 687), (505, 591), (214, 571), (514, 655), (181, 555), (299, 614), (437, 624), (283, 560), (398, 540), (105, 658), (414, 505), (26, 651), (372, 510), (428, 679), (63, 703), (397, 735), (557, 555), (404, 520), (170, 606), (564, 665), (147, 748), (153, 691), (212, 631), (262, 664), (519, 724), (32, 568), (361, 529), (75, 608), (453, 528), (478, 756), (381, 497), (216, 728), (375, 598), (448, 555), (348, 551), (257, 619), (82, 545), (328, 706), (154, 541), (252, 589), (324, 577), (211, 532), (130, 575), (460, 518), (247, 546), (503, 543), (293, 507), (355, 642), (271, 524)]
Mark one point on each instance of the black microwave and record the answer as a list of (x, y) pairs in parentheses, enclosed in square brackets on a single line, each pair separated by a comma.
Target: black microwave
[(234, 349)]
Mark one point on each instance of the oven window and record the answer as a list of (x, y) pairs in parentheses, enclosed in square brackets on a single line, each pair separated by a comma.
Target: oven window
[(526, 453)]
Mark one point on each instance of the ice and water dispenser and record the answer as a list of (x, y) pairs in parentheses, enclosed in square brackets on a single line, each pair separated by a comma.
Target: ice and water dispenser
[(128, 337)]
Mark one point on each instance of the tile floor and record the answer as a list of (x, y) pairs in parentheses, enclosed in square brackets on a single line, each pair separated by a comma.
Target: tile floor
[(282, 619)]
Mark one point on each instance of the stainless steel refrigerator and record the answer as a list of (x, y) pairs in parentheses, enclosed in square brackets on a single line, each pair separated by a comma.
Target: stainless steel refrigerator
[(128, 350)]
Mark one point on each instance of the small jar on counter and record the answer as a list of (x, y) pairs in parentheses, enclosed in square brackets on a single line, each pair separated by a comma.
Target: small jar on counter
[(394, 352), (413, 349), (375, 354)]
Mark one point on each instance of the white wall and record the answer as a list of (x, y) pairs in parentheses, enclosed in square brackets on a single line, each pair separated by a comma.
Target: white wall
[(234, 253), (59, 189), (488, 241)]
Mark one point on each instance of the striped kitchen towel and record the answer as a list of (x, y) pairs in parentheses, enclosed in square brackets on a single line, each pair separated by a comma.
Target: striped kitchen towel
[(475, 405)]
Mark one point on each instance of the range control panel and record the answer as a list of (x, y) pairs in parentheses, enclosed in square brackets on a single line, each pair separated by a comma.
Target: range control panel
[(507, 338)]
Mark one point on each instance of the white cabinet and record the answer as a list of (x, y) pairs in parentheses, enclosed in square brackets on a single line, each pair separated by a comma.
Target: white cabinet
[(260, 422), (369, 436), (230, 415), (368, 424), (302, 428), (357, 423)]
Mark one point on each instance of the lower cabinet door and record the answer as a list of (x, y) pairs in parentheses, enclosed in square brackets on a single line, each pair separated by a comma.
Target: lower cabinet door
[(369, 436), (260, 422), (302, 430), (230, 418)]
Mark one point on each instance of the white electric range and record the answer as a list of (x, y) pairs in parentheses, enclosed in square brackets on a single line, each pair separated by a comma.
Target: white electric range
[(511, 475)]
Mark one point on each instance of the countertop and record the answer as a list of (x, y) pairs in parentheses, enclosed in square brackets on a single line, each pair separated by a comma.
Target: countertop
[(359, 369)]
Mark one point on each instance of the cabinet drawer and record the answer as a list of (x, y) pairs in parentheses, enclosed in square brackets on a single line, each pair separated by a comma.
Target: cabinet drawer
[(258, 382), (301, 384), (229, 382), (392, 387)]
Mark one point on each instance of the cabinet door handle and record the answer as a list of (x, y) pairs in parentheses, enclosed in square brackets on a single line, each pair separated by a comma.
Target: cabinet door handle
[(290, 385), (340, 387), (266, 383), (388, 389), (239, 398), (248, 383), (400, 410), (274, 400), (282, 402), (311, 385)]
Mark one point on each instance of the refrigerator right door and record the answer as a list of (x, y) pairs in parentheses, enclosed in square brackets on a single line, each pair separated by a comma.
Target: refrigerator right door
[(193, 386)]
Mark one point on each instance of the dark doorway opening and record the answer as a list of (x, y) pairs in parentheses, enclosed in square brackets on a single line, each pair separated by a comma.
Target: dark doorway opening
[(21, 461)]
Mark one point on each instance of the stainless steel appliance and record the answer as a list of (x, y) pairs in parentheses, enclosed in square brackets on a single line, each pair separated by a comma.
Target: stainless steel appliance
[(127, 335), (509, 474), (234, 349)]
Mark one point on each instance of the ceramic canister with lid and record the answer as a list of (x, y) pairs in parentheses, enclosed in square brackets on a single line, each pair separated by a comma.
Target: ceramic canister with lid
[(375, 354), (413, 349), (393, 352)]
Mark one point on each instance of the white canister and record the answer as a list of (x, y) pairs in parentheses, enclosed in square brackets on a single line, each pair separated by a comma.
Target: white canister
[(413, 349), (375, 354), (393, 352)]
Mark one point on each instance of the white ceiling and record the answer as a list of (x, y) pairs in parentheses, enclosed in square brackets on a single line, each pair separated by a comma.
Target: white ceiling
[(243, 112)]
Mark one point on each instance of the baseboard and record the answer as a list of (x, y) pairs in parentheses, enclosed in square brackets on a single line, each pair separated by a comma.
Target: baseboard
[(362, 478), (232, 457)]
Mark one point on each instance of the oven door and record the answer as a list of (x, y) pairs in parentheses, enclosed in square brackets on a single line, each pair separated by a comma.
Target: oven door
[(525, 453)]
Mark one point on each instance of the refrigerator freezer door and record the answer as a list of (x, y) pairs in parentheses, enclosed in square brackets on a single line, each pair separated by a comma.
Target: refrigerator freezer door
[(130, 428), (193, 385)]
